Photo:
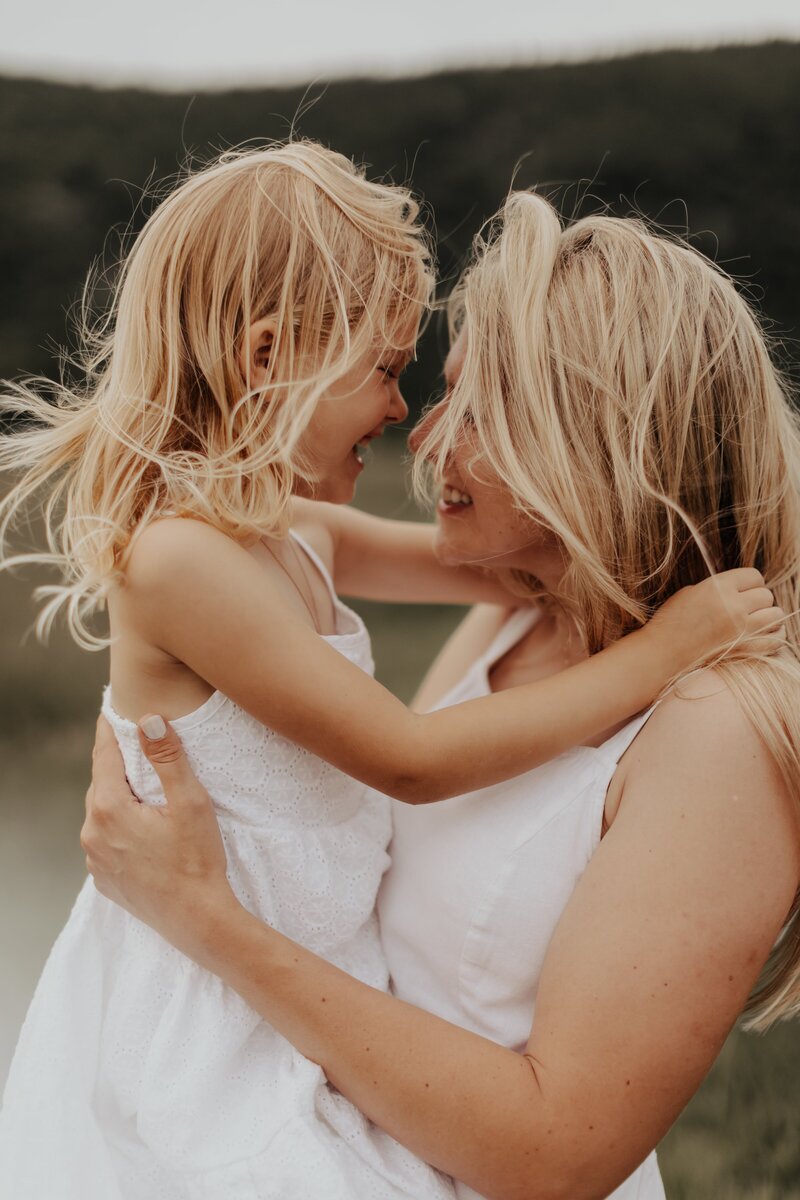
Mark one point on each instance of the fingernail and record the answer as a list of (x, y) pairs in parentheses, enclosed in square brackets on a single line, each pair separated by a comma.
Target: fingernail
[(153, 728)]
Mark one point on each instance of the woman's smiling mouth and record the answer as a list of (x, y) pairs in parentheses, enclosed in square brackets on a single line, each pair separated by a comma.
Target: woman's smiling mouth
[(453, 501)]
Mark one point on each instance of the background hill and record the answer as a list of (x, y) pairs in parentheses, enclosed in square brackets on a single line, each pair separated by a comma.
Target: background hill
[(711, 134)]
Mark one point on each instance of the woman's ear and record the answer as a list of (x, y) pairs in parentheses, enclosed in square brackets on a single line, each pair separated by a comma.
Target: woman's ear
[(255, 352)]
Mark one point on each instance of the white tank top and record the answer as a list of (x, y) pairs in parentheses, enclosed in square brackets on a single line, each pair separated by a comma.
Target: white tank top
[(479, 882)]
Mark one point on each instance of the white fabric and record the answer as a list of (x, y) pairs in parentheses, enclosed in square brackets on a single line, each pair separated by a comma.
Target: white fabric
[(139, 1076), (479, 882)]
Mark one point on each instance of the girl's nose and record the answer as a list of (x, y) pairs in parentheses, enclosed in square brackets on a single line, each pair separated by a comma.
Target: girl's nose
[(398, 409)]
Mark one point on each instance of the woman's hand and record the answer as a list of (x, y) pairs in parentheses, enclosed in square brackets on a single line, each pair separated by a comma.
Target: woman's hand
[(166, 864), (726, 610)]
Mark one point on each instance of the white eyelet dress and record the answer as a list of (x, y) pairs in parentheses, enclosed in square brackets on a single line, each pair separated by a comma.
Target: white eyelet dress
[(479, 882), (140, 1076)]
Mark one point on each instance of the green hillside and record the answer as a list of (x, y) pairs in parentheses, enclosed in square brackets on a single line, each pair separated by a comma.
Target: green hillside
[(710, 134)]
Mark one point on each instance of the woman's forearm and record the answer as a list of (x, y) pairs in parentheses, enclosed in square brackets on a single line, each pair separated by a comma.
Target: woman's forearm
[(470, 1107)]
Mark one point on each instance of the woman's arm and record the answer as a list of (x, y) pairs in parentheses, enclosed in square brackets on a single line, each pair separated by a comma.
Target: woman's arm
[(201, 598), (649, 966)]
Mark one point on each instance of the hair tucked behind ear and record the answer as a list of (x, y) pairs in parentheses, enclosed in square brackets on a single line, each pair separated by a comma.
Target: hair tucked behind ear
[(163, 420), (622, 390)]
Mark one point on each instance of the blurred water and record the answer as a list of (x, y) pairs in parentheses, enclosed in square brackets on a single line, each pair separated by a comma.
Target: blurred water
[(44, 778)]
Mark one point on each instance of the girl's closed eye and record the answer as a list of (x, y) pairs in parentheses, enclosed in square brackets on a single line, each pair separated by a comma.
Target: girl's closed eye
[(392, 370)]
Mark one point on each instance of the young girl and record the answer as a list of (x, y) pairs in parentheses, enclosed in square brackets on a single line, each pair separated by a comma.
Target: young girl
[(259, 330)]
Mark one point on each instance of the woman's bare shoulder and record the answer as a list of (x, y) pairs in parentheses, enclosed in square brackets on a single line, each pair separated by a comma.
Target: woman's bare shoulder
[(703, 739)]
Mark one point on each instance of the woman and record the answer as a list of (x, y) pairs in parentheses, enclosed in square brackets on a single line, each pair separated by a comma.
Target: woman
[(613, 429)]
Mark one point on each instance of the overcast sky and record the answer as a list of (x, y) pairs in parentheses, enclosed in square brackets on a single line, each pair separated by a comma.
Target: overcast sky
[(197, 43)]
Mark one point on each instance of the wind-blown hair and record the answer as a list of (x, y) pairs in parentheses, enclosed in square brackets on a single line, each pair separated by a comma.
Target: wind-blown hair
[(623, 393), (163, 420)]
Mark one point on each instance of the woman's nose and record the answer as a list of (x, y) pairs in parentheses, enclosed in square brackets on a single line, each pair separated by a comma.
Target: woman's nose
[(423, 427)]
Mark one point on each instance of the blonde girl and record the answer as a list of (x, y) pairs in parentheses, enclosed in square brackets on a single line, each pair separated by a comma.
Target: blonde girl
[(260, 326)]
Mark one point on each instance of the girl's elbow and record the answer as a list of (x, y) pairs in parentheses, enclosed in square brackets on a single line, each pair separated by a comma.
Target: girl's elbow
[(415, 776), (415, 787)]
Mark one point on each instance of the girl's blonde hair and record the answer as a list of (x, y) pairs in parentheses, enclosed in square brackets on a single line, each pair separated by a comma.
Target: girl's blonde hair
[(622, 391), (164, 420)]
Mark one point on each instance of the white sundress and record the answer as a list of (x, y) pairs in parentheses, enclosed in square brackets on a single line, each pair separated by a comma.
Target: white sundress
[(140, 1076), (498, 867)]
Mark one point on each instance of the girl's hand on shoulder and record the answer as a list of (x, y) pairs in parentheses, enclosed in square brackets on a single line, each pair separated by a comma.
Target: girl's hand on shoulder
[(165, 864), (732, 608)]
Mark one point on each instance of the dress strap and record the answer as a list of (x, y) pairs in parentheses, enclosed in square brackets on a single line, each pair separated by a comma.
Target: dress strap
[(516, 625), (619, 742), (318, 563)]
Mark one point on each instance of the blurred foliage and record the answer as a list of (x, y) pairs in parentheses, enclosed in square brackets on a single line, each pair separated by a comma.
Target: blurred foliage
[(710, 134)]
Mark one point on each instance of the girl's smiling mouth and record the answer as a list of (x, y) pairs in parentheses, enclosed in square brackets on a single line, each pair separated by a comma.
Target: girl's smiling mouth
[(363, 443)]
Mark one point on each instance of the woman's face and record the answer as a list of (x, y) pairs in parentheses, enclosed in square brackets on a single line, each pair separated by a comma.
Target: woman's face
[(478, 522)]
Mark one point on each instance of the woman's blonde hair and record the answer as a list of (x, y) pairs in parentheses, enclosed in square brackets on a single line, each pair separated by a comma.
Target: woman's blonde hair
[(164, 420), (622, 391)]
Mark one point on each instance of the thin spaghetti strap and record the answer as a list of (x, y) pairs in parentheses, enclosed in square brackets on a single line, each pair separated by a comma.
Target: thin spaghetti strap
[(516, 625), (619, 742), (299, 575), (318, 563)]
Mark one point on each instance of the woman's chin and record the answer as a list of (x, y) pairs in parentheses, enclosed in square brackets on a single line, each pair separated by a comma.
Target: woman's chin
[(448, 553)]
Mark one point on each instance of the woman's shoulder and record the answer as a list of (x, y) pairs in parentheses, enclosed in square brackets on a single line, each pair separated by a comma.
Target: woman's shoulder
[(707, 738), (703, 792), (700, 716)]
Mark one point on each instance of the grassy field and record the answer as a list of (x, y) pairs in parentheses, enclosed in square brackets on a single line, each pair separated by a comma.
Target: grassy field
[(737, 1140)]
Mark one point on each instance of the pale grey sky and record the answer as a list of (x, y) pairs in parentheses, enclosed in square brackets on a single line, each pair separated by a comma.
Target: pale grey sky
[(201, 43)]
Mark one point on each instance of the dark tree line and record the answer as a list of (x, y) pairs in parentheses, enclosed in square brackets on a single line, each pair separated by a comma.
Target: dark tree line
[(699, 139)]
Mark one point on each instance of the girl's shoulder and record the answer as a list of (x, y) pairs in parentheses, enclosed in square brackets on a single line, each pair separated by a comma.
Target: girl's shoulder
[(315, 522), (171, 543)]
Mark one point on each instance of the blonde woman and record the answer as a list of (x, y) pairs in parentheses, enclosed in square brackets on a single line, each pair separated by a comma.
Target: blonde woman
[(569, 948), (259, 329)]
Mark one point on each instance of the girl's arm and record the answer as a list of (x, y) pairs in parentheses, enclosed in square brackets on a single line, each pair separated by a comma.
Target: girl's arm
[(201, 598), (378, 559), (649, 966)]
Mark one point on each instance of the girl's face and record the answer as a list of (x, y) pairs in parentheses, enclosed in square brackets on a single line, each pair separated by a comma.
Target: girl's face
[(356, 410), (478, 522)]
